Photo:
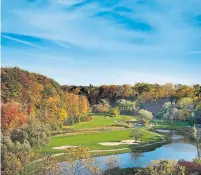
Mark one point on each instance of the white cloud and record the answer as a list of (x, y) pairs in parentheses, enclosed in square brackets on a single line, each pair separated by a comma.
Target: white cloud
[(174, 34), (80, 28)]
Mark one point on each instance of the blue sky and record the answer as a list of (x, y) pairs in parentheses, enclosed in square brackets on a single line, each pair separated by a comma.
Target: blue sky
[(104, 41)]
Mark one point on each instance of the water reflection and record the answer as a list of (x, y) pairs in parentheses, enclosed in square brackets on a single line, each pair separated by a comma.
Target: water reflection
[(180, 148), (136, 155)]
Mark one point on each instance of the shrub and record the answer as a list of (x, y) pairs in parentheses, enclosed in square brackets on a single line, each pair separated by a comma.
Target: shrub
[(14, 155), (89, 118), (100, 108), (114, 112), (36, 133)]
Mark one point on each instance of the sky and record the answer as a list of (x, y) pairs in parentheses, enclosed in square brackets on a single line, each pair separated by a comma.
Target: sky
[(82, 42)]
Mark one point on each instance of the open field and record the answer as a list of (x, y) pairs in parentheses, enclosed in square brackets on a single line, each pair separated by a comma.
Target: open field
[(92, 140), (101, 121)]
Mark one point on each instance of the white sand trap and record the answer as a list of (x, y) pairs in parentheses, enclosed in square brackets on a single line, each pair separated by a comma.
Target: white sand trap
[(129, 142), (125, 142), (64, 147)]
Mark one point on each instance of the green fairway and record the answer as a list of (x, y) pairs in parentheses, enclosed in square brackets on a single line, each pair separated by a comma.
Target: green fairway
[(92, 140), (101, 120), (164, 125)]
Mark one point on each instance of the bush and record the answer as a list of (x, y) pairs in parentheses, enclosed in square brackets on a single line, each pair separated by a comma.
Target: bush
[(89, 118), (37, 134), (100, 108), (114, 112), (14, 155)]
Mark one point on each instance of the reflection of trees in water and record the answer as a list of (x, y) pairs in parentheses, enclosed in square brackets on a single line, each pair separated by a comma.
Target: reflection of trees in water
[(112, 166), (136, 155), (80, 167), (79, 162), (195, 136)]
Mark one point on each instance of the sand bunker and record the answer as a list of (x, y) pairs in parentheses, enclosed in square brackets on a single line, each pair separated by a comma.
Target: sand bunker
[(125, 142), (64, 147)]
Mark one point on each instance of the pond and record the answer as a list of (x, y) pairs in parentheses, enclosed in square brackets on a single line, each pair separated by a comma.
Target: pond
[(180, 148)]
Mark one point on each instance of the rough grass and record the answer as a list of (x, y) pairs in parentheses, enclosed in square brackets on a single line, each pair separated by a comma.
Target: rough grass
[(91, 140), (101, 121)]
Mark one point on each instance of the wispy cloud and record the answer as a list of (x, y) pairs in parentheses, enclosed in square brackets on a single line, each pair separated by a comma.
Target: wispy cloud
[(23, 42)]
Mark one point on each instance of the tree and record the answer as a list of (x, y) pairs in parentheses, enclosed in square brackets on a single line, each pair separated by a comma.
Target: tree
[(140, 88), (126, 91), (184, 91), (136, 134), (195, 134), (197, 113), (49, 165), (37, 134), (105, 103), (169, 112), (12, 116), (186, 102), (126, 107), (162, 167), (72, 106), (14, 155), (83, 106), (144, 116), (102, 107)]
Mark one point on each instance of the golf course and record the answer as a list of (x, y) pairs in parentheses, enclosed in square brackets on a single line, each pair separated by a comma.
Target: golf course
[(95, 141)]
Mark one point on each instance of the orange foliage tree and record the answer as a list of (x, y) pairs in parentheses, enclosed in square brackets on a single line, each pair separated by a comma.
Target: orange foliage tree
[(12, 116), (83, 106)]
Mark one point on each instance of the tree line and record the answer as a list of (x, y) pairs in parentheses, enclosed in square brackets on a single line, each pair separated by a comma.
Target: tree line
[(141, 92), (32, 107)]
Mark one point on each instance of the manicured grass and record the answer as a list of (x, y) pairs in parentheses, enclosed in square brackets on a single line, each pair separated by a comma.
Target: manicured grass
[(91, 140), (101, 121), (164, 125)]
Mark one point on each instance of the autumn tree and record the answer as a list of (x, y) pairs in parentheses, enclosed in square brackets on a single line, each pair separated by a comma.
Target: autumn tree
[(83, 106), (72, 106), (12, 115)]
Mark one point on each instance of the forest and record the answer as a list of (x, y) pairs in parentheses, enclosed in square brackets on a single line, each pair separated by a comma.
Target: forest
[(34, 107)]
